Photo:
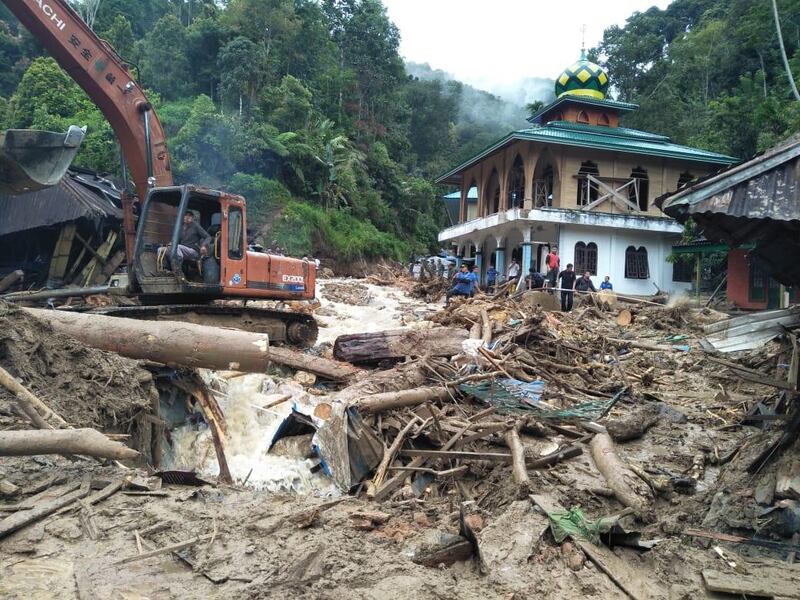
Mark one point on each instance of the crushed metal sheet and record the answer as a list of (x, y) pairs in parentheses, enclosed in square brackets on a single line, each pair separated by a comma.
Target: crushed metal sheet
[(749, 331)]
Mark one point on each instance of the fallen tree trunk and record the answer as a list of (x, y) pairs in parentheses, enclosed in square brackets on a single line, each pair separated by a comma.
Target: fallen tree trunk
[(186, 344), (399, 343), (89, 442), (390, 400), (34, 409), (628, 488)]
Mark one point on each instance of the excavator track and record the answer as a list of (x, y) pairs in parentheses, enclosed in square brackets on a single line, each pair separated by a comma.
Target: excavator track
[(294, 329)]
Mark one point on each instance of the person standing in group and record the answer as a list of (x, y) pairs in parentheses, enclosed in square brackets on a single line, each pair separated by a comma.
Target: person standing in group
[(513, 269), (606, 284), (567, 280), (463, 284), (553, 263), (584, 284), (491, 278)]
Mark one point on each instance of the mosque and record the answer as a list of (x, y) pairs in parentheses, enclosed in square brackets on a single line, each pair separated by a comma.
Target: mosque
[(577, 180)]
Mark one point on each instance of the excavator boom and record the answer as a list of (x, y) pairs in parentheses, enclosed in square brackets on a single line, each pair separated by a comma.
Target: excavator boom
[(97, 68)]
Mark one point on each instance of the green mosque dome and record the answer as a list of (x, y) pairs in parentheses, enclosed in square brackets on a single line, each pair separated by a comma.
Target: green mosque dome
[(584, 78)]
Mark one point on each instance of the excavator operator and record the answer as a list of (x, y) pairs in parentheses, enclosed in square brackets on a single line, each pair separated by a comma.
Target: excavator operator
[(192, 245)]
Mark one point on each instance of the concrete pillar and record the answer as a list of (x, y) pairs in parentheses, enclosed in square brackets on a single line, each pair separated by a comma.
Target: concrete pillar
[(479, 263), (459, 256), (500, 265), (526, 259)]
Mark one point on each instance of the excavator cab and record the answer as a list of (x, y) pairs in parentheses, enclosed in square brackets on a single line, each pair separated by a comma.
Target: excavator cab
[(228, 269), (157, 238)]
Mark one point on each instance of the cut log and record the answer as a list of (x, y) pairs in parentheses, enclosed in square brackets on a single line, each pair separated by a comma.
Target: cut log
[(627, 487), (186, 344), (399, 343), (36, 410), (390, 400), (10, 279), (625, 317), (88, 442)]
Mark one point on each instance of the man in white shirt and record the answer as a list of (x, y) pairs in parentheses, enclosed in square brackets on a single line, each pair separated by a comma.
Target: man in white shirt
[(513, 269)]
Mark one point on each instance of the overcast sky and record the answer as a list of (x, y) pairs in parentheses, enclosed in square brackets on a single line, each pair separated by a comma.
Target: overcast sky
[(494, 43)]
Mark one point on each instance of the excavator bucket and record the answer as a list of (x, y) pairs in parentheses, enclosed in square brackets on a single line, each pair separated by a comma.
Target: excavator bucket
[(31, 160)]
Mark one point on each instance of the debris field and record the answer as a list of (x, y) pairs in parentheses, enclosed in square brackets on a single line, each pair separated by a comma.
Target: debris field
[(493, 449)]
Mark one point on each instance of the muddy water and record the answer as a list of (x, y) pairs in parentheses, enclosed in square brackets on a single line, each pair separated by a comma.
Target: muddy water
[(389, 308), (252, 427)]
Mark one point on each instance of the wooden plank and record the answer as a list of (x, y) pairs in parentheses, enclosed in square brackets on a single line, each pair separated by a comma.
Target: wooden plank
[(775, 582), (111, 265), (165, 549), (102, 253), (24, 518), (629, 579), (751, 374), (60, 258)]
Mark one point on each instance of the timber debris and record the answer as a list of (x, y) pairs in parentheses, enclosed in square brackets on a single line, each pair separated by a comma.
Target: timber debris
[(497, 430)]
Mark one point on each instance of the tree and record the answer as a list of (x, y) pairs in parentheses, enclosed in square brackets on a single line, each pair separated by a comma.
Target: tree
[(120, 35), (792, 84), (241, 67), (164, 59)]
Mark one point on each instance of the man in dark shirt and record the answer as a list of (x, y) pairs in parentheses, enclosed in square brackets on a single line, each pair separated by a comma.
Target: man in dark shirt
[(463, 284), (567, 280), (193, 242), (584, 284)]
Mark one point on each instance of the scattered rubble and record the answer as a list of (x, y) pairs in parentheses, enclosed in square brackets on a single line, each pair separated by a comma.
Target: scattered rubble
[(498, 449)]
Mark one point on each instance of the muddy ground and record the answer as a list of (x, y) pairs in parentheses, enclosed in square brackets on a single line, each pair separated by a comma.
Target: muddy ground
[(272, 544)]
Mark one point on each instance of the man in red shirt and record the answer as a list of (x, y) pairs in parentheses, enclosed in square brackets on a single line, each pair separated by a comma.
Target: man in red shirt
[(553, 265)]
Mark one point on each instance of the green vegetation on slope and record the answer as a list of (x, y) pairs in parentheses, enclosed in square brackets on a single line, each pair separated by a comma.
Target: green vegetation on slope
[(302, 106)]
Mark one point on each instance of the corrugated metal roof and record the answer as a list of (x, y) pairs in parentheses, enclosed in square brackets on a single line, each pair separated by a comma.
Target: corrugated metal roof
[(597, 137), (472, 194), (67, 201), (757, 201), (749, 331), (755, 188)]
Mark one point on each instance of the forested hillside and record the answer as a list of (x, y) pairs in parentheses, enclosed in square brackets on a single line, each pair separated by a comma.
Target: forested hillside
[(708, 73), (304, 107)]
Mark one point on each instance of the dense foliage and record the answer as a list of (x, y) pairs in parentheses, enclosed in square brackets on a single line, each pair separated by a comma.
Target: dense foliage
[(303, 106), (708, 72)]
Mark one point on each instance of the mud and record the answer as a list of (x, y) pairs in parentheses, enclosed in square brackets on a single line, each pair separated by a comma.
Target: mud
[(288, 534), (87, 387)]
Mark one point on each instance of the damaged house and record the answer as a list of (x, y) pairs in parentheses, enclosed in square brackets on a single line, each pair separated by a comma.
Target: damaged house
[(754, 208), (67, 234)]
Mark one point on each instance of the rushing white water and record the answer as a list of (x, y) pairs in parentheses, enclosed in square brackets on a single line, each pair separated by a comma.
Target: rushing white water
[(251, 427)]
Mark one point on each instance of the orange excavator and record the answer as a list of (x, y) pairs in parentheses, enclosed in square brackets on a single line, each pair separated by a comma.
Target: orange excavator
[(153, 216)]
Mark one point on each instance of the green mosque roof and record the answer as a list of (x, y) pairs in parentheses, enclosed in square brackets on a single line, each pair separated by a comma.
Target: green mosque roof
[(597, 137)]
